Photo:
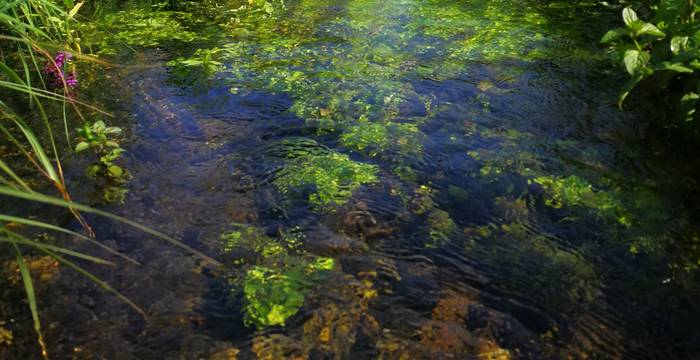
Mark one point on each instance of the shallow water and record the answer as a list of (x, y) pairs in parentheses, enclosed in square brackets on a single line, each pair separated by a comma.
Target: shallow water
[(381, 179)]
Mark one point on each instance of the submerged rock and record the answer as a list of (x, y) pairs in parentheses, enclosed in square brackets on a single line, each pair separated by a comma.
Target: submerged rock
[(326, 242)]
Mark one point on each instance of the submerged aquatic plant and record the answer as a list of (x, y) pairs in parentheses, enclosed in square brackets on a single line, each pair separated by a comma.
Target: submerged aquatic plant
[(273, 274), (332, 177), (375, 139), (576, 191), (138, 27)]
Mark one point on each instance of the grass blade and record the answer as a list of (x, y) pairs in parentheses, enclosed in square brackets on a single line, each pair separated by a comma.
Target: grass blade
[(31, 298), (43, 225), (5, 190)]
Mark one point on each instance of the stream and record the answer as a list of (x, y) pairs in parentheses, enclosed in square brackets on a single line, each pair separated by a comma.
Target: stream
[(396, 179)]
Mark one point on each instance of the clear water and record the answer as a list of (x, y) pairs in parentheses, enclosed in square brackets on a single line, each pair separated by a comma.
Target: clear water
[(460, 167)]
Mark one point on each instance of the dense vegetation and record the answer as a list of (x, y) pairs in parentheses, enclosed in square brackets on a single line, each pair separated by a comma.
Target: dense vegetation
[(663, 50)]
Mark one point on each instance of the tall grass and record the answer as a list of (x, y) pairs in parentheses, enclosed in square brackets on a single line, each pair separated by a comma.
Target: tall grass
[(31, 31)]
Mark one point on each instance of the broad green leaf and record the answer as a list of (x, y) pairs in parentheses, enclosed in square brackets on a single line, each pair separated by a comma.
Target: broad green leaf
[(613, 35), (635, 61), (113, 130), (678, 44), (99, 126), (636, 27), (116, 171), (629, 15), (650, 29)]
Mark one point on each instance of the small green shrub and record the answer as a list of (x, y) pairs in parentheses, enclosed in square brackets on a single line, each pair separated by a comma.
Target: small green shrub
[(100, 139), (665, 50)]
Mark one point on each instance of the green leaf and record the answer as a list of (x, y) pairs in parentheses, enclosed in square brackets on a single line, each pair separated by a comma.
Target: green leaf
[(82, 146), (677, 67), (43, 225), (687, 105), (678, 44), (74, 10), (113, 130), (99, 126), (636, 27), (629, 85), (650, 29), (613, 35), (635, 61), (93, 170), (116, 171), (629, 15)]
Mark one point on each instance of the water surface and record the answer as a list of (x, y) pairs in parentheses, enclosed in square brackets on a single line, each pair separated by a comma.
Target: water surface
[(382, 179)]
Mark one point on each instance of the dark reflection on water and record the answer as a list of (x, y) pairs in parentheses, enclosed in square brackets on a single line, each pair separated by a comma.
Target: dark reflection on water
[(462, 245)]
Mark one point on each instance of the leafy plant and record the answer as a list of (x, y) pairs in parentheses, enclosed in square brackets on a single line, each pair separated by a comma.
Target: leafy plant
[(332, 177), (101, 140), (138, 27), (202, 65), (274, 274), (575, 191), (665, 50)]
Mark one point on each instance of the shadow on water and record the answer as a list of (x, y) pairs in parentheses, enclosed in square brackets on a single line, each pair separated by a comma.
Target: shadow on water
[(392, 179)]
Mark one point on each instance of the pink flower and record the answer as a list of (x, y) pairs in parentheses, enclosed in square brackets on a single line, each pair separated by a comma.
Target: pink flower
[(56, 71)]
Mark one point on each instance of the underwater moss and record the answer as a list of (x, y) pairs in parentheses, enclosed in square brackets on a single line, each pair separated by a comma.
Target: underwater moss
[(271, 297), (575, 191), (274, 274), (373, 139), (138, 27), (332, 176)]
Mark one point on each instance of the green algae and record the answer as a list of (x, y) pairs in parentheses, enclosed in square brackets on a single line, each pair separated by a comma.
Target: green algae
[(373, 139), (576, 191), (139, 28), (272, 296), (274, 274), (332, 177)]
